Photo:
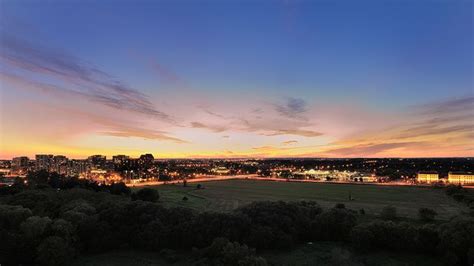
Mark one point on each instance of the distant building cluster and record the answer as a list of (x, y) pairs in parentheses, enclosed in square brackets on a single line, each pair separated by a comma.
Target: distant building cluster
[(324, 175), (458, 178), (428, 177), (462, 178), (123, 168), (95, 167)]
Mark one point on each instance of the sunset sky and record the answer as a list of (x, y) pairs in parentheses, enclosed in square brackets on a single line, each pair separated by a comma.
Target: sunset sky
[(237, 78)]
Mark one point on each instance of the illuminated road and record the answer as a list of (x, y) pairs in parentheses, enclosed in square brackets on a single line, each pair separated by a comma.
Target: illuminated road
[(193, 180), (256, 177)]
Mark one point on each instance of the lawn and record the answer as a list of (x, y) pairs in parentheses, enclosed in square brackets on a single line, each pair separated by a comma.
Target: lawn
[(228, 195)]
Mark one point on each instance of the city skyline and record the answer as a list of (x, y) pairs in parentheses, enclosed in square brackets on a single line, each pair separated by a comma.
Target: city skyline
[(237, 79), (111, 157)]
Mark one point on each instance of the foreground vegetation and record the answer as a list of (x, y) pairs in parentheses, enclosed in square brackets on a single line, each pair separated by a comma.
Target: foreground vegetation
[(317, 253), (55, 219)]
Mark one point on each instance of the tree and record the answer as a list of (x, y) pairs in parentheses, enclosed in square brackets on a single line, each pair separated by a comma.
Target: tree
[(427, 239), (53, 251), (426, 214), (63, 229), (38, 177), (384, 234), (146, 194), (362, 238), (119, 189), (333, 225), (12, 216), (35, 227), (224, 252), (279, 224), (456, 239)]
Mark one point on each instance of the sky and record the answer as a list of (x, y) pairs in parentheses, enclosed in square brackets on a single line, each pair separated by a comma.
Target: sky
[(237, 78)]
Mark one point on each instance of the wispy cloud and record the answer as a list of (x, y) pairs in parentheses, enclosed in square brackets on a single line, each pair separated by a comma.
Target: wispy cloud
[(163, 73), (289, 142), (63, 70), (214, 114), (443, 128), (292, 108), (447, 107), (143, 133), (214, 128), (296, 132), (116, 126), (364, 150), (432, 130), (270, 123), (452, 116), (264, 148)]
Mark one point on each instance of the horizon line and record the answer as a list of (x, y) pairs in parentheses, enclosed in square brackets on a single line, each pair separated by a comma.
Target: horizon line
[(250, 158)]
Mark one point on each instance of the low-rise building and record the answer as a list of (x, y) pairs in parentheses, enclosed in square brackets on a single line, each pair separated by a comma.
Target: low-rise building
[(368, 178), (221, 170), (427, 177), (44, 162), (5, 171), (19, 165), (461, 178)]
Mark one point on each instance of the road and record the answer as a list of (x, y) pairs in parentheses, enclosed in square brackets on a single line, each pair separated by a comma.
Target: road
[(256, 177)]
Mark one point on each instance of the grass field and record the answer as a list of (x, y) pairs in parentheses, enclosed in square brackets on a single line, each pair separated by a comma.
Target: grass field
[(228, 195)]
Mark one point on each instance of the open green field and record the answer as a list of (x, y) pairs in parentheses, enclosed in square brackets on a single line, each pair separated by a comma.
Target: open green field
[(229, 195)]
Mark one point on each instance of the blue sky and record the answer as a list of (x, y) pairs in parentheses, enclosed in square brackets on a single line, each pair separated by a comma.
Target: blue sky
[(384, 56)]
